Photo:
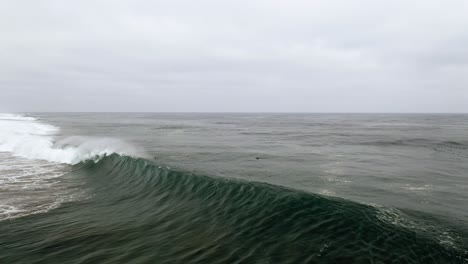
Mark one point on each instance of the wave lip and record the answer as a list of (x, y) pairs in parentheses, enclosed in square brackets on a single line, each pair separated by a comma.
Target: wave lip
[(29, 138), (16, 117)]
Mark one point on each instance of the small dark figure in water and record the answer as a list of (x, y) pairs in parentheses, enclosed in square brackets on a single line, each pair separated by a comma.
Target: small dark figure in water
[(257, 158)]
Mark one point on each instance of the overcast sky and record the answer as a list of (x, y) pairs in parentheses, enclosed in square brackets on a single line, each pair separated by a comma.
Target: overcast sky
[(234, 56)]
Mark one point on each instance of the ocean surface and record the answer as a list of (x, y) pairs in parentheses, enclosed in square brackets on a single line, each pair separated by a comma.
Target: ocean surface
[(233, 188)]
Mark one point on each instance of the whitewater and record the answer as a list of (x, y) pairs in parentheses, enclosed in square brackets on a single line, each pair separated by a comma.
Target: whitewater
[(35, 157), (29, 138), (233, 188)]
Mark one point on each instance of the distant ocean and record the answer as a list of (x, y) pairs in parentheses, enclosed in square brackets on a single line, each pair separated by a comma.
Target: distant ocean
[(233, 188)]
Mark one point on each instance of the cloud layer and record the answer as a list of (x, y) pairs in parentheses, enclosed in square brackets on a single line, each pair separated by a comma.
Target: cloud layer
[(234, 56)]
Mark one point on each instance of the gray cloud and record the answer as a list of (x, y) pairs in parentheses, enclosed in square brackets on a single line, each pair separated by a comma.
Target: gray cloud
[(299, 56)]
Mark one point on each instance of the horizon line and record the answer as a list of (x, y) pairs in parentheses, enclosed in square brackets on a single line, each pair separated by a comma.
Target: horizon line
[(227, 112)]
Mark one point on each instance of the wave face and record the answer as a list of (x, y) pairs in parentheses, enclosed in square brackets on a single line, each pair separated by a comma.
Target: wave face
[(27, 137), (95, 200), (144, 213)]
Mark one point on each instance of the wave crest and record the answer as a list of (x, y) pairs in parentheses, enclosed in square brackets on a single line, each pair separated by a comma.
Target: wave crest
[(28, 138)]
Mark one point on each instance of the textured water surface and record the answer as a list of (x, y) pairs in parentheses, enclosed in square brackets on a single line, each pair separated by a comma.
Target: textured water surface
[(233, 188)]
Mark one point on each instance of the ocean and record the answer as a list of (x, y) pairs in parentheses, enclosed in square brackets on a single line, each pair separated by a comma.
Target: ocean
[(233, 188)]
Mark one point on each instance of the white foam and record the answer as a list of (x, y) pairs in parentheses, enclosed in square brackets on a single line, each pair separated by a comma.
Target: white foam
[(395, 217), (16, 117), (327, 192), (6, 211), (34, 186), (29, 138), (418, 188)]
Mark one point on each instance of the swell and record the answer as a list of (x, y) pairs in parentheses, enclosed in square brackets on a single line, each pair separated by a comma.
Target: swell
[(420, 142), (448, 147), (174, 216), (142, 212)]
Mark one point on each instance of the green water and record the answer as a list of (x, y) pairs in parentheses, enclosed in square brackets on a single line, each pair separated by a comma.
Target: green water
[(194, 199)]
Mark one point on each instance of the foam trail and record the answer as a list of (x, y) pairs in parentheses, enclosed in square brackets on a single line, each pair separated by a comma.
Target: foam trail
[(26, 137)]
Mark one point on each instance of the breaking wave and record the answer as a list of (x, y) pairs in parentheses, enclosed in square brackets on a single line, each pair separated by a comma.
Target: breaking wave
[(140, 211), (139, 207), (29, 138)]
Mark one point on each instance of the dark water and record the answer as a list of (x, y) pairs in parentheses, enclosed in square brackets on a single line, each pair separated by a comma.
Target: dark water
[(234, 188)]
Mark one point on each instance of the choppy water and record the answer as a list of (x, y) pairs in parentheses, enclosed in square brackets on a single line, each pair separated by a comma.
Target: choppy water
[(233, 188)]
